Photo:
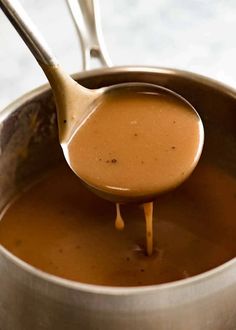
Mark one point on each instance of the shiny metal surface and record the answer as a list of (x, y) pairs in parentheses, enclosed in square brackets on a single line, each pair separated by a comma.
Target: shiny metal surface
[(85, 15), (31, 299)]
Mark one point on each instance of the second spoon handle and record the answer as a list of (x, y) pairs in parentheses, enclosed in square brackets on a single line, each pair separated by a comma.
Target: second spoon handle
[(28, 31), (85, 14)]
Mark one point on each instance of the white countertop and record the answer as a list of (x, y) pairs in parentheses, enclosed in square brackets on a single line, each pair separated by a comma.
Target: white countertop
[(194, 35)]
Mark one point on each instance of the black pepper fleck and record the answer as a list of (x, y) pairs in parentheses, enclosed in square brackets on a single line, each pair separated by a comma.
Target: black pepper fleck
[(114, 160), (65, 121), (18, 242), (173, 147)]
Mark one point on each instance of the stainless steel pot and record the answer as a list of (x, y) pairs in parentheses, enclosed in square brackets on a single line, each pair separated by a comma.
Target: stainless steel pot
[(31, 299)]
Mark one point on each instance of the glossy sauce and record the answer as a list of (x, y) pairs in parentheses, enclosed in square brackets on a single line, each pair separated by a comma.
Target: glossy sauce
[(62, 228), (136, 144), (148, 212), (119, 222)]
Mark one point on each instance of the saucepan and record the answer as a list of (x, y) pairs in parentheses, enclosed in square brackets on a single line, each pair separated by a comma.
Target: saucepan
[(32, 299)]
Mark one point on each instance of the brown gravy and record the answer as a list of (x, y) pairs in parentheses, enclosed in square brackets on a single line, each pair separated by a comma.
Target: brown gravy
[(62, 228), (137, 144)]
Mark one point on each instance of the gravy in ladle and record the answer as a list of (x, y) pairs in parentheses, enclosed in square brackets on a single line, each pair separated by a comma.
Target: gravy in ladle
[(137, 144)]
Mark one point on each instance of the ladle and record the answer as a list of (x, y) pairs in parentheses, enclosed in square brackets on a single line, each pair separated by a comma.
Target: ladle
[(76, 103)]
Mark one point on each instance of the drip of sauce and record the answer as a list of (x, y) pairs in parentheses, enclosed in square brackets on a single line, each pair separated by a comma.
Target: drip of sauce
[(119, 222), (148, 212)]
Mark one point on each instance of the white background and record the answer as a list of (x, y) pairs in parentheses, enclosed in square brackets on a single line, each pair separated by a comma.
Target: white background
[(195, 35)]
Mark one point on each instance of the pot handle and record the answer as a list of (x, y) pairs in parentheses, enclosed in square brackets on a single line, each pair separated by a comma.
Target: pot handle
[(85, 15)]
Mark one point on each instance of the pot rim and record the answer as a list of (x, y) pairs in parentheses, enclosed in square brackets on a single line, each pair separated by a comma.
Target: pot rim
[(210, 82), (112, 290)]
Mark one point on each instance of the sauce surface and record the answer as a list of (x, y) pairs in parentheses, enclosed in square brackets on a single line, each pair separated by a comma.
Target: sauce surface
[(64, 229), (137, 144)]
